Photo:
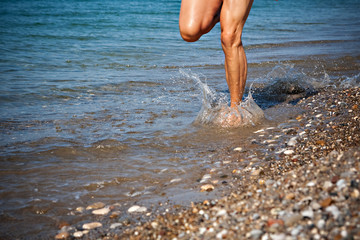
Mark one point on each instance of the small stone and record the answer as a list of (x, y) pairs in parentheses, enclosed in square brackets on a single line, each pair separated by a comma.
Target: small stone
[(326, 202), (255, 234), (271, 222), (334, 179), (288, 152), (256, 172), (154, 225), (292, 142), (62, 235), (315, 206), (115, 214), (311, 184), (207, 188), (202, 230), (355, 193), (101, 211), (78, 234), (115, 225), (278, 236), (308, 213), (222, 234), (261, 181), (327, 185), (91, 225), (137, 209), (239, 149), (80, 209), (292, 219), (221, 212), (334, 211), (341, 184), (290, 196), (175, 180), (95, 206), (320, 224)]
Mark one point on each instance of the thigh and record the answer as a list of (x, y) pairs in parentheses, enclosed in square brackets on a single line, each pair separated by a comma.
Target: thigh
[(234, 14), (198, 14)]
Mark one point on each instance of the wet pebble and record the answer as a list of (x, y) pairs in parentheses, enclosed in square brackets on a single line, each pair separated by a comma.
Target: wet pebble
[(92, 225), (78, 234), (289, 152), (101, 211), (137, 209), (115, 225), (95, 206), (62, 235), (207, 188)]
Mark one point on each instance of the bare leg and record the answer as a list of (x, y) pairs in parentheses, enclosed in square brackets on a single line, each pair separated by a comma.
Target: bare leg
[(232, 19), (198, 17)]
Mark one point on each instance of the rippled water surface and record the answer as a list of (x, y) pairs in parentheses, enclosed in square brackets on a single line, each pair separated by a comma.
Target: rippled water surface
[(99, 99)]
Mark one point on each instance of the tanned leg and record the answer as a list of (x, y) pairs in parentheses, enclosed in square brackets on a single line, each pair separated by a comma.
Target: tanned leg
[(232, 19), (198, 17)]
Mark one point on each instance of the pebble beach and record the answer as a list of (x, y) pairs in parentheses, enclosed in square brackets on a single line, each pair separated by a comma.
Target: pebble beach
[(305, 186)]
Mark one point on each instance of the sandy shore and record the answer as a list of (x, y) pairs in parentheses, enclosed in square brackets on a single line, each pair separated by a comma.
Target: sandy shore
[(306, 186)]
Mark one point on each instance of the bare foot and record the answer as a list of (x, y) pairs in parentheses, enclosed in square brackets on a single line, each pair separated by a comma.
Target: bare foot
[(230, 117)]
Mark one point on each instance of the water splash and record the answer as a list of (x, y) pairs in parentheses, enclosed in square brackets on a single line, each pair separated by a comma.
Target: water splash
[(215, 109)]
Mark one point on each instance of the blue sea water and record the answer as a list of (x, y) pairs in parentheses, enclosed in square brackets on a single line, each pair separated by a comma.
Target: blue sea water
[(93, 106)]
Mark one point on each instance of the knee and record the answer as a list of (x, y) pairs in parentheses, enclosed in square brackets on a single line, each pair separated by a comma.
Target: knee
[(189, 33), (231, 39)]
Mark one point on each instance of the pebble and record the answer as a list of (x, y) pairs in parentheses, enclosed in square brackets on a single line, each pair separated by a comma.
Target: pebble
[(255, 234), (207, 188), (292, 142), (239, 149), (292, 219), (115, 225), (326, 202), (80, 209), (279, 236), (308, 213), (221, 234), (78, 234), (341, 184), (320, 224), (101, 211), (311, 184), (95, 206), (288, 152), (290, 196), (137, 209), (92, 225), (334, 211), (62, 235), (175, 180), (327, 185)]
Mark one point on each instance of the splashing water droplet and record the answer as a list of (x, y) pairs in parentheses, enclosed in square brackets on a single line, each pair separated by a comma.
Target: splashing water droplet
[(215, 109)]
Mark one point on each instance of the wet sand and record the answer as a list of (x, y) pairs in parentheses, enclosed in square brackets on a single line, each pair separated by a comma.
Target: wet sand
[(305, 186)]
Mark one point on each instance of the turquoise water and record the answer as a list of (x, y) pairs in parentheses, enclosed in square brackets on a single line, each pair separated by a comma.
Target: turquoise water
[(94, 105)]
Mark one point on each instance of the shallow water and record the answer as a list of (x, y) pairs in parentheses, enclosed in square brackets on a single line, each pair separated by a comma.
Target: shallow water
[(95, 105)]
